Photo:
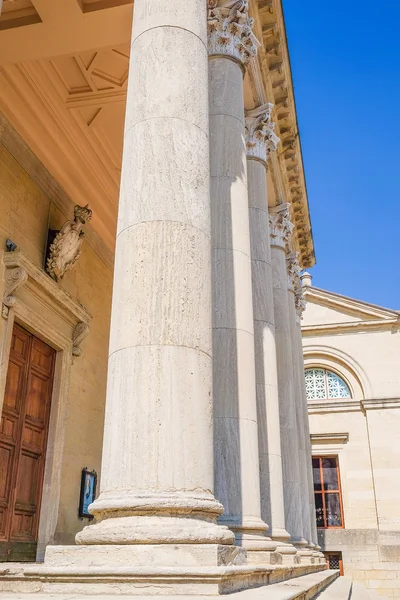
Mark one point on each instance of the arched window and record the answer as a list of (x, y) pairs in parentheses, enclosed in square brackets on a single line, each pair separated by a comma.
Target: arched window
[(322, 384)]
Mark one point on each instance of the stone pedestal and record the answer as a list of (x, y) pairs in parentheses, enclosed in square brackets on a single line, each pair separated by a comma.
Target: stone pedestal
[(280, 231), (237, 484), (260, 142)]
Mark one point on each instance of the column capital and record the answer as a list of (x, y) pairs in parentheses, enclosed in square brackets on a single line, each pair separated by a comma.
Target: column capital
[(261, 138), (230, 30), (293, 271), (300, 304), (280, 225)]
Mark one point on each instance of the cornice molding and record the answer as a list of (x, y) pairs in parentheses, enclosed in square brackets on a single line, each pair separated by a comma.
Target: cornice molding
[(335, 406), (21, 272), (352, 327), (274, 63), (341, 302), (380, 403), (329, 438)]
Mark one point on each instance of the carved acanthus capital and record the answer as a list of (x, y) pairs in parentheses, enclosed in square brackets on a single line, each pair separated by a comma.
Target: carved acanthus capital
[(300, 303), (67, 245), (293, 271), (261, 138), (230, 30), (15, 278), (280, 225)]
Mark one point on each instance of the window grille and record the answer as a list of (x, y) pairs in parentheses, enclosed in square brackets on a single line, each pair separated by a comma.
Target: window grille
[(322, 384)]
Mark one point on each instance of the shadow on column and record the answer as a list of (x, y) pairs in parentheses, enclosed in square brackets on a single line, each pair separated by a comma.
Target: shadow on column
[(226, 350)]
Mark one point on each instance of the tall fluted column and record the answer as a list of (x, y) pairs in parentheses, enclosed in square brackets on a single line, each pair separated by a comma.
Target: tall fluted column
[(300, 307), (260, 142), (157, 468), (281, 230), (237, 487), (293, 269)]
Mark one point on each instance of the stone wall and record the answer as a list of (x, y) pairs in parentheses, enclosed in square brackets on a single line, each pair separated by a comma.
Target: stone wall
[(30, 203), (369, 457)]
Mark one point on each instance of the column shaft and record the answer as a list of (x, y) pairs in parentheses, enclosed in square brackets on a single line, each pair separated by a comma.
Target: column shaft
[(261, 140), (302, 455), (237, 484), (306, 424), (280, 232), (157, 469)]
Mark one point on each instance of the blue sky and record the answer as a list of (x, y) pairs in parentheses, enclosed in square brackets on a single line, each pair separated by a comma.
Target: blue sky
[(346, 70)]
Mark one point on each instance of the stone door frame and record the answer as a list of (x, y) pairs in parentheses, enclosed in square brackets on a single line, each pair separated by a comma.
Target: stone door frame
[(42, 307)]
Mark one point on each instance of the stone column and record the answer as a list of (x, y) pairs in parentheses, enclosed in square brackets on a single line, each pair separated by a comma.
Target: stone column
[(260, 142), (280, 230), (237, 486), (293, 269), (300, 307), (157, 467)]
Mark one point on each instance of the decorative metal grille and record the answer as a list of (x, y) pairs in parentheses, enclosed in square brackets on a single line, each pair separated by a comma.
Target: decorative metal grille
[(322, 384), (334, 561)]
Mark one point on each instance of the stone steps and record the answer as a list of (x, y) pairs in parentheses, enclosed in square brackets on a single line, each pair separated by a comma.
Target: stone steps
[(136, 581), (344, 589), (340, 589), (304, 587)]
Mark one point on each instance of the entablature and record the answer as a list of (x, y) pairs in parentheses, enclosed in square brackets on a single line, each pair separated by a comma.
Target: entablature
[(274, 65)]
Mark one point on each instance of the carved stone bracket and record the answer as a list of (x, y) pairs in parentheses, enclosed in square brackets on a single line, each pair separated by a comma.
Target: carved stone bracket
[(230, 30), (15, 278), (280, 225), (80, 332), (53, 302), (261, 138)]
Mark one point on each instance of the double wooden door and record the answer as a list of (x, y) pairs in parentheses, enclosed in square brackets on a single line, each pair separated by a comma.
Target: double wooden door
[(23, 440)]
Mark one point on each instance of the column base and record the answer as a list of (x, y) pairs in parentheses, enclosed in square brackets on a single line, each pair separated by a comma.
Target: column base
[(249, 533), (279, 534), (136, 530), (289, 554)]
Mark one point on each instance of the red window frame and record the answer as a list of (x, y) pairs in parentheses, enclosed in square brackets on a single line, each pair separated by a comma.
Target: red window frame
[(322, 492)]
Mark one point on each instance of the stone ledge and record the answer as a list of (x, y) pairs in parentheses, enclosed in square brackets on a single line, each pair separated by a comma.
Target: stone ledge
[(147, 581), (305, 587)]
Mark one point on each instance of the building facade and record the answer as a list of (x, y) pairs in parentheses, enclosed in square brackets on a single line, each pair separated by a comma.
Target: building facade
[(152, 236), (351, 355)]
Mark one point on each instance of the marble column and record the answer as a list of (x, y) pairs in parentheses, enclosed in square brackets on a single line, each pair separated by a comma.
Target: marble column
[(293, 269), (300, 307), (280, 231), (157, 466), (237, 486), (260, 142)]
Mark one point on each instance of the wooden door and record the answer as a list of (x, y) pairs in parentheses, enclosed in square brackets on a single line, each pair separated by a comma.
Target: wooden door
[(23, 440)]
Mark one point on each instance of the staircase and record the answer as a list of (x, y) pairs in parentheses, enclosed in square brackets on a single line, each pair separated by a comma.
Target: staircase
[(323, 585), (345, 589)]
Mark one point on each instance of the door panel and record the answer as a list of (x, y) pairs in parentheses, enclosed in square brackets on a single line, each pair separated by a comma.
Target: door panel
[(23, 439)]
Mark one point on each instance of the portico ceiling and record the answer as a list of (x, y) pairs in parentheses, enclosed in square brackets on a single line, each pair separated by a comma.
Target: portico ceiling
[(63, 78)]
